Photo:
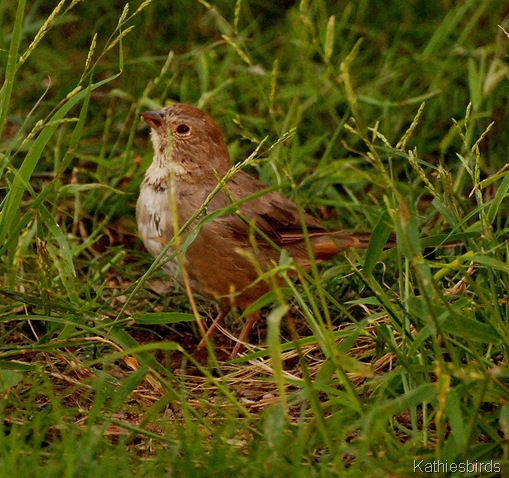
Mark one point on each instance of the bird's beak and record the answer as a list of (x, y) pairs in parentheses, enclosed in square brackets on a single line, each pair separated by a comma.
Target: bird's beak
[(153, 118)]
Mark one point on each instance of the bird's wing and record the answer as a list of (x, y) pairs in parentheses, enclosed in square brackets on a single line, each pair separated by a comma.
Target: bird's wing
[(273, 214), (277, 218)]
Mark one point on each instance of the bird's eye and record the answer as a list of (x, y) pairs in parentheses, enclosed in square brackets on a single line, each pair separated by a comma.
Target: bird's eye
[(183, 129)]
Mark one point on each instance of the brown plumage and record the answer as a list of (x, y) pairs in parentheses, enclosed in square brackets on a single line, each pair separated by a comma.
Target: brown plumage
[(190, 154)]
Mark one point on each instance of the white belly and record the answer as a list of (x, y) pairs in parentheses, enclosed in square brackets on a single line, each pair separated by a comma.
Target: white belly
[(153, 215)]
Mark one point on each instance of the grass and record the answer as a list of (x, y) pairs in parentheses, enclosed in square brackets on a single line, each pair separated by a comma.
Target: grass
[(389, 119)]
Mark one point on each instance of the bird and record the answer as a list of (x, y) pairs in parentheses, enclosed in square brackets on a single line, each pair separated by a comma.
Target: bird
[(249, 225)]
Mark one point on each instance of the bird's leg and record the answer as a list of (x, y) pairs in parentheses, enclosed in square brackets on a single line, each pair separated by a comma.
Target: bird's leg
[(244, 333), (221, 314)]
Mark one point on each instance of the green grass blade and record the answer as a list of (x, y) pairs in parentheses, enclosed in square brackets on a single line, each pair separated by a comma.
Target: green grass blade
[(9, 216), (12, 59)]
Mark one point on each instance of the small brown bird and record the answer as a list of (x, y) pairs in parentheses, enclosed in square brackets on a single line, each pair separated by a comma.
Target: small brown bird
[(189, 157)]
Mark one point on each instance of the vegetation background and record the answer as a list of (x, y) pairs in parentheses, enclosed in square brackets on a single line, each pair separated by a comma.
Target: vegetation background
[(384, 116)]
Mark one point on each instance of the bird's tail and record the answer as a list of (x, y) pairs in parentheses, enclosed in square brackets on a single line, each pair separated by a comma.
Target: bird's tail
[(328, 245)]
